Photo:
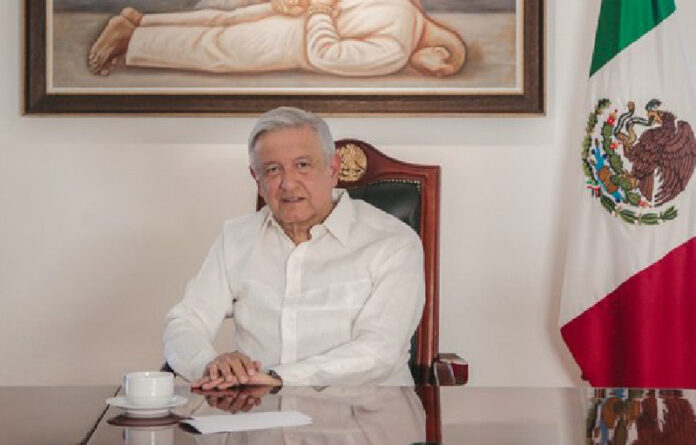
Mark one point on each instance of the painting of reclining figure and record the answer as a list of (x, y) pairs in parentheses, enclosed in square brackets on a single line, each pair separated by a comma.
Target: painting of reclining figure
[(346, 46)]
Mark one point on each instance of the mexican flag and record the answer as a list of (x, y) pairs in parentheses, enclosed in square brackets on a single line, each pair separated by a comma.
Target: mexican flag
[(628, 309)]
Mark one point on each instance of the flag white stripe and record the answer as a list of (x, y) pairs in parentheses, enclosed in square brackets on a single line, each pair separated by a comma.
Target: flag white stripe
[(605, 251)]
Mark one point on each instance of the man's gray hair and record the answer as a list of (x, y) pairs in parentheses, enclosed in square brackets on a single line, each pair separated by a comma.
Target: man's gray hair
[(291, 117)]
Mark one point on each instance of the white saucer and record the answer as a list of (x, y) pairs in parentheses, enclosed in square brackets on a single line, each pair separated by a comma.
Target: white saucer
[(139, 411)]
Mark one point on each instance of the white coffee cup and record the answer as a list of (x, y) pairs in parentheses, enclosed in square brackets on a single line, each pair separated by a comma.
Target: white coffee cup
[(149, 388)]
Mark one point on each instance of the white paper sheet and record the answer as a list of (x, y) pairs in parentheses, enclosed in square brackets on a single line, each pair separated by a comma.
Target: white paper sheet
[(220, 423)]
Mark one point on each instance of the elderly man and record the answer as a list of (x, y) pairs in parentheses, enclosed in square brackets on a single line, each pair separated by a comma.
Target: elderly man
[(323, 289)]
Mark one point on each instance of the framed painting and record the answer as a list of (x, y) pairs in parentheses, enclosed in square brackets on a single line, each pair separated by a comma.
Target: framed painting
[(243, 57)]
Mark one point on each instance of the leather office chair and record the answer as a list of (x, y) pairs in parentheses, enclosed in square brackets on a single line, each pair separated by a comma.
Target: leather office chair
[(411, 192)]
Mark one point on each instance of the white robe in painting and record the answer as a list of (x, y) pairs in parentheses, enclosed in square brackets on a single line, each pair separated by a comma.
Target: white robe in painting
[(369, 37)]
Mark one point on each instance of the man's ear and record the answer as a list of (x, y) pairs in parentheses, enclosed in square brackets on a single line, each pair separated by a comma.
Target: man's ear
[(335, 167), (253, 175)]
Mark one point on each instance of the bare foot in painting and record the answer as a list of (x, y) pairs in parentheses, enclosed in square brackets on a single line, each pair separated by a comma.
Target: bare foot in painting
[(112, 43), (112, 64)]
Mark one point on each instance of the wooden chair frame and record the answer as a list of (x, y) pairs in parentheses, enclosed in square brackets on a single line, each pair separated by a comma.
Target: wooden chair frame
[(430, 366)]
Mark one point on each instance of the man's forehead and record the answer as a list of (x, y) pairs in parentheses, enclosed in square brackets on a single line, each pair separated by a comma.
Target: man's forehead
[(288, 144), (299, 131)]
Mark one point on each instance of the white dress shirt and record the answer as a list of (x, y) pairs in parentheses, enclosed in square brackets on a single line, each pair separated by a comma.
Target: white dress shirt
[(339, 309)]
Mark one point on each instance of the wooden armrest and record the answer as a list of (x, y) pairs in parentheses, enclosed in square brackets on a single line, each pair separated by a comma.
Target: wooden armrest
[(450, 370)]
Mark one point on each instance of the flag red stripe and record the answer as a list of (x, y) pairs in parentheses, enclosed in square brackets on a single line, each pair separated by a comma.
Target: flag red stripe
[(643, 334)]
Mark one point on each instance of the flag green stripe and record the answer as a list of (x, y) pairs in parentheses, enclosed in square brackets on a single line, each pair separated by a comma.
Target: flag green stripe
[(622, 22)]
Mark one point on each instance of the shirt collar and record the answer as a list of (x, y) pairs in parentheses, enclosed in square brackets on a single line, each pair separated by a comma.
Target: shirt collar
[(337, 223), (339, 220), (269, 220)]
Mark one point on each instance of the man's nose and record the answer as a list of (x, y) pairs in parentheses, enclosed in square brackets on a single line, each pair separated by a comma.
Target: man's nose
[(288, 179)]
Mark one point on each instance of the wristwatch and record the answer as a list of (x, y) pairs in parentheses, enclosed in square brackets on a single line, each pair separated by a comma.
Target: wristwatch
[(275, 375)]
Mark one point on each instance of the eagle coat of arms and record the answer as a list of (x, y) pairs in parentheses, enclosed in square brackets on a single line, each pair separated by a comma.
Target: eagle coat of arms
[(635, 165)]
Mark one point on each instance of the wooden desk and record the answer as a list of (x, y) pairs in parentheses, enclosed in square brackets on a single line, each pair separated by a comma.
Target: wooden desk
[(340, 416), (377, 416)]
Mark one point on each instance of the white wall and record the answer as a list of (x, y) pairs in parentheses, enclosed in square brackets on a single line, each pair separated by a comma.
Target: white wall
[(102, 221)]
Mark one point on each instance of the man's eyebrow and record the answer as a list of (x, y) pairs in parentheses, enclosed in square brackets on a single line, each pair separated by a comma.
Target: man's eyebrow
[(299, 158)]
